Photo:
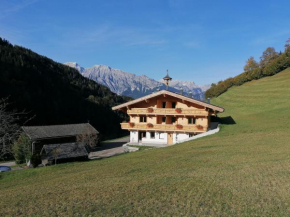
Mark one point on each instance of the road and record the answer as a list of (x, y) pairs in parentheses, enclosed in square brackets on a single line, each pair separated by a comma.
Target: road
[(111, 148)]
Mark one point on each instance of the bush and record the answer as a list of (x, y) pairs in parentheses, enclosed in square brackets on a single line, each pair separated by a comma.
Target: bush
[(22, 149), (35, 160)]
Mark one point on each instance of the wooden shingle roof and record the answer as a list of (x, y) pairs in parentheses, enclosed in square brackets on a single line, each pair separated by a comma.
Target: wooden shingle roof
[(58, 131), (64, 151), (169, 93)]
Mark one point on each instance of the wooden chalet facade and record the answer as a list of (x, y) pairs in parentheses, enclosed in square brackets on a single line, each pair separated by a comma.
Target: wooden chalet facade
[(165, 117)]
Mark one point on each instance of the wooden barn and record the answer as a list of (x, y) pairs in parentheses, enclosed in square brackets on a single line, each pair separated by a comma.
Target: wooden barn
[(64, 138), (63, 152)]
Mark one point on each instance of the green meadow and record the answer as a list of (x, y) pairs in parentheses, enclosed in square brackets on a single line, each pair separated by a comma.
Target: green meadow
[(244, 170)]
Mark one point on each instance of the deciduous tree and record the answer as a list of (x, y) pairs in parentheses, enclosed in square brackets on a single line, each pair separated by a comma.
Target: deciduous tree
[(9, 128), (268, 55)]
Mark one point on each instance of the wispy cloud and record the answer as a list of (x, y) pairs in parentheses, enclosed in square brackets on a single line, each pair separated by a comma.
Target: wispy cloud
[(107, 34), (9, 7), (271, 38), (192, 44)]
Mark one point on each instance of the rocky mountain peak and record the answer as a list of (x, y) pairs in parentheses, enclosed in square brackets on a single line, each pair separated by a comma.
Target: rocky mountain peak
[(135, 86)]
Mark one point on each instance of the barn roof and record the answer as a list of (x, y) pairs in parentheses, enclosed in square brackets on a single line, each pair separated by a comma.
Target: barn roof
[(58, 131), (64, 151), (169, 93)]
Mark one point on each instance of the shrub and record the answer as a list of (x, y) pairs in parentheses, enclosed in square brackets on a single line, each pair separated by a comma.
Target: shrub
[(131, 124), (150, 110), (199, 127), (149, 125), (22, 149), (35, 160), (178, 110), (179, 126)]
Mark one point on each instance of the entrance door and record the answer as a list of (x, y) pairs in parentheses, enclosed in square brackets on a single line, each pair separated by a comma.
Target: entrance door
[(169, 138), (141, 135)]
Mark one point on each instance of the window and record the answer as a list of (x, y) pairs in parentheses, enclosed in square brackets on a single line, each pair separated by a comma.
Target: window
[(173, 120), (191, 135), (173, 104), (163, 104), (152, 135), (164, 119), (143, 119), (142, 135), (191, 120), (161, 135)]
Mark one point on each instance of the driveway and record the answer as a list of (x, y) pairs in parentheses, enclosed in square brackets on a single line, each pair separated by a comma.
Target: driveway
[(9, 164), (111, 148)]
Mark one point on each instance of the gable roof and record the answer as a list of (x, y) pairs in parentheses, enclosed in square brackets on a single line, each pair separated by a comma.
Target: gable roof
[(57, 131), (64, 151), (207, 105)]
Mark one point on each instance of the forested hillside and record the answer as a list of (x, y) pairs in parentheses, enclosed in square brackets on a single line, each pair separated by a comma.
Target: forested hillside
[(55, 93), (271, 63)]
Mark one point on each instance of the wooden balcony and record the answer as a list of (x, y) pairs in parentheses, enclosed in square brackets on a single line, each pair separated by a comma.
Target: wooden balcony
[(167, 111), (164, 127)]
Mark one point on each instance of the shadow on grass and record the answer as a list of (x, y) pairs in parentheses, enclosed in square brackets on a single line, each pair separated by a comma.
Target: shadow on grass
[(224, 120), (110, 145)]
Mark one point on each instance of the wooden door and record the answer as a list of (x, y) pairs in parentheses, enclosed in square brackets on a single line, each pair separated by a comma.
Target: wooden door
[(169, 138)]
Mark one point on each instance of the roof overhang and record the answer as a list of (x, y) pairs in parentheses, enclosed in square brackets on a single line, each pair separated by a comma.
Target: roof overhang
[(165, 92)]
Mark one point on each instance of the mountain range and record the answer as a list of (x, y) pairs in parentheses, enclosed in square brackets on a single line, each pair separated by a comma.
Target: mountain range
[(135, 86)]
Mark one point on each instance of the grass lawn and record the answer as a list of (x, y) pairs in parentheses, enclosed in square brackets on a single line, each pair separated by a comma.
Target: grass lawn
[(244, 170)]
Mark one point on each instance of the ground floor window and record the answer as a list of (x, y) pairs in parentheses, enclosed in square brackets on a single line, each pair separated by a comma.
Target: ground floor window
[(152, 135), (161, 135), (191, 135)]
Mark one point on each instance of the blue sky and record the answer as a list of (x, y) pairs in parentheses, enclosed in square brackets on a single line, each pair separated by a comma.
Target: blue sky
[(202, 41)]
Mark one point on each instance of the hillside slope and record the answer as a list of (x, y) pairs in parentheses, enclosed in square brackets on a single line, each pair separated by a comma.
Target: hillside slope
[(244, 170), (54, 93)]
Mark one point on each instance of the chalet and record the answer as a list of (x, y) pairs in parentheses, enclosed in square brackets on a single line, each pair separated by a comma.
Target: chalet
[(165, 117), (61, 137)]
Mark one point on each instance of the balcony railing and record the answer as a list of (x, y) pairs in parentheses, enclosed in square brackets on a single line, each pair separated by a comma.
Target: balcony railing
[(164, 127), (167, 111)]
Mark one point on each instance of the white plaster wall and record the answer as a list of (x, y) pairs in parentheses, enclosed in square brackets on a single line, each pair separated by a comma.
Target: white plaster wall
[(214, 128), (159, 138), (134, 136), (179, 137)]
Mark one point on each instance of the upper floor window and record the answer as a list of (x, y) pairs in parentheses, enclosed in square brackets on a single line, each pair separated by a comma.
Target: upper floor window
[(163, 104), (164, 119), (173, 104), (191, 120), (143, 119), (173, 120)]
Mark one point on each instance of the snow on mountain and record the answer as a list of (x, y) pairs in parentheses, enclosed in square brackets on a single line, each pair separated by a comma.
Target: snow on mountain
[(76, 66), (188, 86), (128, 84)]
